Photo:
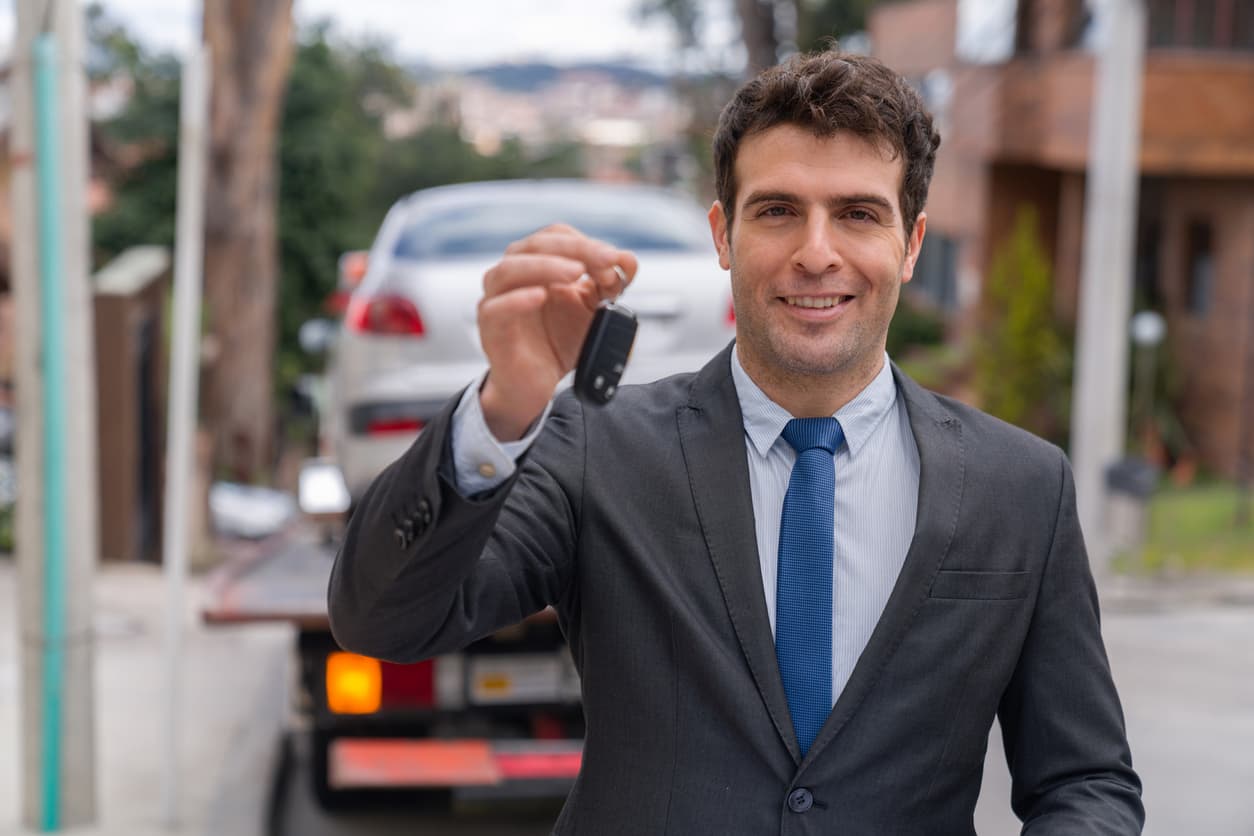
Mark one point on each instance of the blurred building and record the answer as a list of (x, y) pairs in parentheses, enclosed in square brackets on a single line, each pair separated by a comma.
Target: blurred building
[(1012, 85), (615, 113)]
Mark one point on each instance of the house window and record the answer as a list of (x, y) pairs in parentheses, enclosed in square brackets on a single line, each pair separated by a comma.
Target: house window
[(1199, 267), (1201, 24), (1148, 291)]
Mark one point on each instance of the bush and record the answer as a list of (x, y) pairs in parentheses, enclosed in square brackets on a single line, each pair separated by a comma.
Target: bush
[(913, 325), (1023, 354)]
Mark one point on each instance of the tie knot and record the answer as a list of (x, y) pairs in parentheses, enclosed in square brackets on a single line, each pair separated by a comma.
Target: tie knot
[(808, 433)]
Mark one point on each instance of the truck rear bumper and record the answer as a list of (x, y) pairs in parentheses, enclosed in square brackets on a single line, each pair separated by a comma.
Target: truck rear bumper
[(512, 767)]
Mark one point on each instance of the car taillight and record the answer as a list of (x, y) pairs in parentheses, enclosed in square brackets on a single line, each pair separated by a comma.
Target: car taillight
[(384, 315), (361, 685), (385, 426)]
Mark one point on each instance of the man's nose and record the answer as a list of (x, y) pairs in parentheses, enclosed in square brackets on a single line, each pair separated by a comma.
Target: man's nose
[(817, 252)]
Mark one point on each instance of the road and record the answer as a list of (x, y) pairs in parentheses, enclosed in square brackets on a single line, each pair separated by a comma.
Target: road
[(1186, 676)]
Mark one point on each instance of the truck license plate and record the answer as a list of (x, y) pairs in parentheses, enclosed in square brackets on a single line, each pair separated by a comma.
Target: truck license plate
[(522, 678)]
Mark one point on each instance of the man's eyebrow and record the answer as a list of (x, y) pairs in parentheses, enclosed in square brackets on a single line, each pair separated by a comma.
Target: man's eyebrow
[(771, 197), (869, 199), (836, 202)]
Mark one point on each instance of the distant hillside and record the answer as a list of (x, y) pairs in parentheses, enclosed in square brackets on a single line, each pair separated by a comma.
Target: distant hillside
[(529, 77)]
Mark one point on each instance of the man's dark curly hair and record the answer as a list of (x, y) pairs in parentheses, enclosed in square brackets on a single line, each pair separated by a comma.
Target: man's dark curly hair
[(829, 92)]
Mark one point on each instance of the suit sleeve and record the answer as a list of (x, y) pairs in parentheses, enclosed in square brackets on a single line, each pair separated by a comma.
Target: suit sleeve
[(424, 570), (1062, 723)]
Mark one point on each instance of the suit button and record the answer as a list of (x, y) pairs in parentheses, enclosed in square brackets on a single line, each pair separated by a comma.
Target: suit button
[(800, 800)]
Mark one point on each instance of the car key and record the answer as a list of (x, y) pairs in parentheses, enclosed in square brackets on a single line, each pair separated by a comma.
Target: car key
[(605, 351)]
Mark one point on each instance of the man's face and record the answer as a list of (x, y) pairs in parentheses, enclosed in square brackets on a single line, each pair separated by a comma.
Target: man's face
[(817, 252)]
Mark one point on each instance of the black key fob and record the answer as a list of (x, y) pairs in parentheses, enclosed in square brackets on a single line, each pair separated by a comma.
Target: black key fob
[(604, 353)]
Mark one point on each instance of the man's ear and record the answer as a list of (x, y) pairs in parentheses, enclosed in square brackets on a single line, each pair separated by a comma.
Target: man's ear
[(913, 245), (720, 233)]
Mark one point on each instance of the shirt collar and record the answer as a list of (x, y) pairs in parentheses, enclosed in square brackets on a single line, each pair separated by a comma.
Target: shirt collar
[(764, 419)]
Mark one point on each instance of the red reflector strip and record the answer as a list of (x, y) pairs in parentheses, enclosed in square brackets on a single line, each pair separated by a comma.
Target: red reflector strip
[(366, 762), (397, 425), (382, 762), (524, 765)]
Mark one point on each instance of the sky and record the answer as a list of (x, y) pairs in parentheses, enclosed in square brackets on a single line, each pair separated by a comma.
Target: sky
[(457, 34)]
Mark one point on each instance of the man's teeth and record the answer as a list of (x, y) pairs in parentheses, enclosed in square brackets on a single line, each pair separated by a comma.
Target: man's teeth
[(815, 301)]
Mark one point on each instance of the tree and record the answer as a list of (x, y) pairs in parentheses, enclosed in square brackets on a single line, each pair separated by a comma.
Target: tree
[(143, 136), (329, 147), (770, 29), (250, 49), (1023, 359)]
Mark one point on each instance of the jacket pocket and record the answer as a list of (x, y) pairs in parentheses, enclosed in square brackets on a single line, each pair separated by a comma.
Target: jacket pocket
[(981, 586)]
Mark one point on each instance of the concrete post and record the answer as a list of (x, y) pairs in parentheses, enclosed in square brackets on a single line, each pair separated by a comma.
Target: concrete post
[(1099, 410)]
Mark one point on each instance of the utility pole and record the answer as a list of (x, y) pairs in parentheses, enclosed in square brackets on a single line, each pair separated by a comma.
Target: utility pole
[(184, 391), (57, 520), (1099, 411)]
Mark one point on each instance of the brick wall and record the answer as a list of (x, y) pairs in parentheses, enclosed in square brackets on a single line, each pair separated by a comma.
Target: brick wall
[(1209, 347)]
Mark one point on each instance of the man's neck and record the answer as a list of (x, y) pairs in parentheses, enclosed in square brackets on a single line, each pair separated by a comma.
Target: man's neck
[(813, 396)]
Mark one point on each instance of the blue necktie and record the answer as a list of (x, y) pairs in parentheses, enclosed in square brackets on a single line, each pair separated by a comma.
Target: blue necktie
[(803, 591)]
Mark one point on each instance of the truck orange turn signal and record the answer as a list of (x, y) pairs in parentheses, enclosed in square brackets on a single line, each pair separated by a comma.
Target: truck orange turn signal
[(354, 684)]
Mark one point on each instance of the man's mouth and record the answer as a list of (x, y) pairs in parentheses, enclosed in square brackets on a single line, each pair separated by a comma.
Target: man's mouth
[(816, 301)]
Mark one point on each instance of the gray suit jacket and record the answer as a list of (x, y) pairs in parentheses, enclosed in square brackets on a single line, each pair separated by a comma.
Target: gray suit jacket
[(635, 523)]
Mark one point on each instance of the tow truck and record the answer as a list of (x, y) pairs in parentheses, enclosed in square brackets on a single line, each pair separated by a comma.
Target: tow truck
[(502, 718)]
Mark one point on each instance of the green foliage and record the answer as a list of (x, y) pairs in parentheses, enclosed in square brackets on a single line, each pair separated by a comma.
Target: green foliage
[(328, 145), (145, 133), (1023, 359), (7, 514), (1193, 530), (820, 21), (913, 325), (437, 155)]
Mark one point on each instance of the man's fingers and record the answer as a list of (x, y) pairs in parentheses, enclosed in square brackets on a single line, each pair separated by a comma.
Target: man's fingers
[(524, 269), (597, 256)]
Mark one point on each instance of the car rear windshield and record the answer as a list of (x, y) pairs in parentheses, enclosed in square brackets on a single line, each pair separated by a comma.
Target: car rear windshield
[(628, 221)]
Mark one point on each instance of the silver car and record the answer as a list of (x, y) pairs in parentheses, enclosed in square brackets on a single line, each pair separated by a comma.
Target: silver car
[(409, 339)]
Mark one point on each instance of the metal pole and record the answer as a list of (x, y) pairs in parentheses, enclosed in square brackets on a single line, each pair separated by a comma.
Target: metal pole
[(47, 176), (57, 542), (1099, 405), (189, 246)]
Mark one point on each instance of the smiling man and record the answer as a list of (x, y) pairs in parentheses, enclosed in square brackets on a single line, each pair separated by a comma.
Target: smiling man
[(798, 587)]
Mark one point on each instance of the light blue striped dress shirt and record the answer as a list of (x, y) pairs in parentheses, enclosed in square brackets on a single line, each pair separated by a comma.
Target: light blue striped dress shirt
[(877, 494), (877, 491)]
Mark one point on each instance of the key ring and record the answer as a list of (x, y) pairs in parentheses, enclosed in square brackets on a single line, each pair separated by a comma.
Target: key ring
[(622, 278)]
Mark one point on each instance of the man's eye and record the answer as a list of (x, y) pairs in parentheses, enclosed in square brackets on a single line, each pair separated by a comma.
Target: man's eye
[(774, 212), (859, 215)]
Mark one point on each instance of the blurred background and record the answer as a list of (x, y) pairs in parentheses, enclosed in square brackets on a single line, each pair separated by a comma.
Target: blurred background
[(322, 116)]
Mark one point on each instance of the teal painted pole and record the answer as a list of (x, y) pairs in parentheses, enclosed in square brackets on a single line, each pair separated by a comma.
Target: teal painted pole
[(51, 271)]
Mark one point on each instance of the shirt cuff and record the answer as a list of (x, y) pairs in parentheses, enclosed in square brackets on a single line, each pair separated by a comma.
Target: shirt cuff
[(480, 462)]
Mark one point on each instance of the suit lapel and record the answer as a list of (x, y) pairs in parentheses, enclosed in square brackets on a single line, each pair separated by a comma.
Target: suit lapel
[(712, 433), (941, 469)]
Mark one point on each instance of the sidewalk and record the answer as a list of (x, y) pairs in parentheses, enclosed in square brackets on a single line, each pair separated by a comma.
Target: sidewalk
[(235, 700)]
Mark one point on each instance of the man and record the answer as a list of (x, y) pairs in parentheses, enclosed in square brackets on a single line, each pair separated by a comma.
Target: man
[(782, 626)]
